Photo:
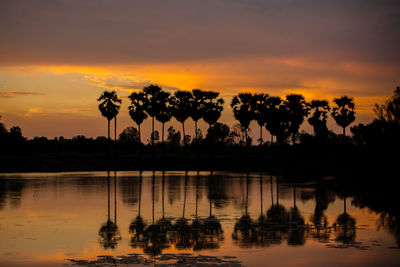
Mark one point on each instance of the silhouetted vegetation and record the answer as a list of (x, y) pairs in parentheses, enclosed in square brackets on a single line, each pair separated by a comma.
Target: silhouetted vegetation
[(282, 118)]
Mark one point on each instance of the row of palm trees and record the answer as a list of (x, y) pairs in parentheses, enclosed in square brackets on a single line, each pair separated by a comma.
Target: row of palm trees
[(281, 117)]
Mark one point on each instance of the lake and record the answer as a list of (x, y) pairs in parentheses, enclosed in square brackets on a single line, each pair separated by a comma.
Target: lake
[(192, 219)]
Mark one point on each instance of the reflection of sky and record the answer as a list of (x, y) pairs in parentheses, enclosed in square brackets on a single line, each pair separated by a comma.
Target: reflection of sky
[(58, 216), (56, 58)]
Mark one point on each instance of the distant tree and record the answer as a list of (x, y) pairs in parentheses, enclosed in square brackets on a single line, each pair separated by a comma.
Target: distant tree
[(174, 137), (154, 137), (390, 111), (213, 107), (129, 135), (319, 114), (109, 107), (137, 109), (343, 112), (297, 111), (218, 133), (181, 108), (242, 106), (3, 129), (259, 109), (152, 103)]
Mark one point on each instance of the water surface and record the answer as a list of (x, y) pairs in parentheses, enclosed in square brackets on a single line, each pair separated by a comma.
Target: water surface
[(128, 218)]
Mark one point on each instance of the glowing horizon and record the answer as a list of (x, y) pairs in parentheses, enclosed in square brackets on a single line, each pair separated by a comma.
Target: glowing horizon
[(52, 71)]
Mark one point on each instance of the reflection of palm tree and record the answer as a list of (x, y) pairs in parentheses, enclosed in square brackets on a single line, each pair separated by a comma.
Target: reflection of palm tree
[(323, 196), (244, 230), (137, 226), (296, 224), (277, 218), (109, 232), (182, 228), (345, 225), (155, 235)]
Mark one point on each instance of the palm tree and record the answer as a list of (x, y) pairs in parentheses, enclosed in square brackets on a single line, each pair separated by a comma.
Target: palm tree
[(152, 105), (197, 107), (242, 109), (320, 109), (297, 110), (137, 109), (165, 113), (259, 109), (109, 107), (213, 107), (276, 117), (343, 113), (181, 109)]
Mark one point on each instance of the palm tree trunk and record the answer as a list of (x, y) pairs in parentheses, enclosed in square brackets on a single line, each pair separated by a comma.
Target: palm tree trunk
[(115, 136), (344, 132), (162, 140), (184, 138), (184, 135), (152, 137), (108, 139), (261, 139), (195, 129), (140, 143)]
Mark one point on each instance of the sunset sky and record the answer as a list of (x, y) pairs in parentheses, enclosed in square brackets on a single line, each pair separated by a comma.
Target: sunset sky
[(56, 57)]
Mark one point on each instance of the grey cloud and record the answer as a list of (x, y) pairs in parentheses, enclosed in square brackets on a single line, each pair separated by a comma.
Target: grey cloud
[(131, 32)]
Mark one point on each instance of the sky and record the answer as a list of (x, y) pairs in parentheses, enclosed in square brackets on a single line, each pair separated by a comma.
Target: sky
[(56, 57)]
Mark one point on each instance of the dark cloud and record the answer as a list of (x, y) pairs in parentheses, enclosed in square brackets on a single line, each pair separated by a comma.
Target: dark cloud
[(131, 32), (8, 94)]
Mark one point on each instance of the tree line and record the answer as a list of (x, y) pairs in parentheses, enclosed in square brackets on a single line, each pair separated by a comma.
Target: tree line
[(282, 118)]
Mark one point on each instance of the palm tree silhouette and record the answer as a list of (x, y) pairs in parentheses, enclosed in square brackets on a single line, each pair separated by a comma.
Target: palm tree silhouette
[(181, 109), (152, 105), (213, 107), (137, 110), (197, 108), (343, 112), (109, 108), (297, 110), (259, 109), (165, 113), (243, 111), (319, 109), (272, 115)]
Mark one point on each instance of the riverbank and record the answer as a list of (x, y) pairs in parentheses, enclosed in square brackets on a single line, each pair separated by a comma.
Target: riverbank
[(282, 160)]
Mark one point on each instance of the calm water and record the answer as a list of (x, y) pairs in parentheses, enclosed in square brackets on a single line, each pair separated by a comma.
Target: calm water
[(123, 218)]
